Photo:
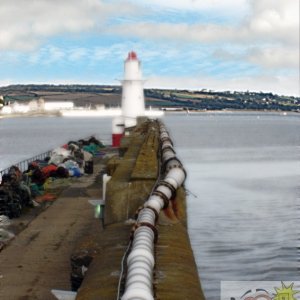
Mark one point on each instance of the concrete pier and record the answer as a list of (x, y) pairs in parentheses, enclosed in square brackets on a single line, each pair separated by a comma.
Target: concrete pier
[(133, 177), (39, 258)]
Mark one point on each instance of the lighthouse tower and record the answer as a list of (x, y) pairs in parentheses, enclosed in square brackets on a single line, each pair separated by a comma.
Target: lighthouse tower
[(133, 102)]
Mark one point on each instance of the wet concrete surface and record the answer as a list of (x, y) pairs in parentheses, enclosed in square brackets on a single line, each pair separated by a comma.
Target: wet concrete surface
[(38, 259)]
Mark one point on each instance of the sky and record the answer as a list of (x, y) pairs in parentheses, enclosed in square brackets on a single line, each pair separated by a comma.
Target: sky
[(185, 44)]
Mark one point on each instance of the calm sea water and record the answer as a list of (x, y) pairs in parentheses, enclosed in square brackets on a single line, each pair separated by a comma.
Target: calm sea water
[(21, 138), (244, 170), (243, 178)]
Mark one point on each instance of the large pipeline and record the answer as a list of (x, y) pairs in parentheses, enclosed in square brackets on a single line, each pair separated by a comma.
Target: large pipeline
[(140, 261)]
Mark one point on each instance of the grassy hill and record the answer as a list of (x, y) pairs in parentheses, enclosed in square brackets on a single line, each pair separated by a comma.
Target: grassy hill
[(110, 96)]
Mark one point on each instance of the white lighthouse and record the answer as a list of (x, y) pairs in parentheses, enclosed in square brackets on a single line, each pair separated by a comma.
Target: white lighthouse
[(133, 102)]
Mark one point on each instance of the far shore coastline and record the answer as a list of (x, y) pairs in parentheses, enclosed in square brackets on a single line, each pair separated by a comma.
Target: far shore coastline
[(224, 111)]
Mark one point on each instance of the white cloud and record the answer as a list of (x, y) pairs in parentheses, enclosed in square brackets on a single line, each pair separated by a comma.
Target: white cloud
[(24, 24), (275, 19), (44, 56), (275, 58), (182, 32), (268, 37), (269, 34), (268, 21), (34, 58), (100, 53), (198, 5), (77, 53), (284, 53), (55, 54), (268, 57)]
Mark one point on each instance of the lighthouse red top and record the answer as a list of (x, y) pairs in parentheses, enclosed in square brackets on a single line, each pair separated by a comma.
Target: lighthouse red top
[(132, 56)]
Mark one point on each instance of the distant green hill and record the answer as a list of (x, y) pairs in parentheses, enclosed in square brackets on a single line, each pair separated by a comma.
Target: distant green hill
[(92, 95)]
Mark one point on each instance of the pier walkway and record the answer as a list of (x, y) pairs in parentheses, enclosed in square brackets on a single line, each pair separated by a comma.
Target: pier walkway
[(38, 259)]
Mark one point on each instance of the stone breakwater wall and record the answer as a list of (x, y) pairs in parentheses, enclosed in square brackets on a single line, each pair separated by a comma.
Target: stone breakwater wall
[(135, 174)]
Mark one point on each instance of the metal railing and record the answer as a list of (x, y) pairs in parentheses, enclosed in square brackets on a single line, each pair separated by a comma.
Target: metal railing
[(23, 165)]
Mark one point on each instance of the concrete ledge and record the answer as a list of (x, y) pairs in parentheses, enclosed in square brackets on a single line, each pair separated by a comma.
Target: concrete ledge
[(101, 281), (176, 275)]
